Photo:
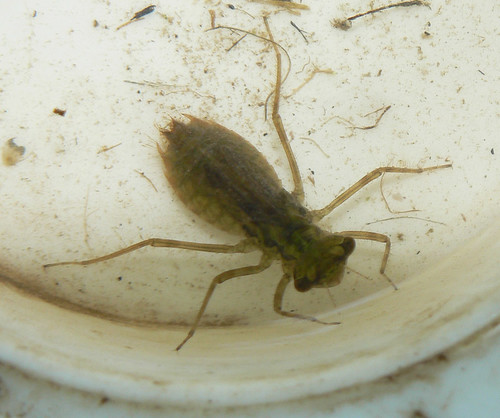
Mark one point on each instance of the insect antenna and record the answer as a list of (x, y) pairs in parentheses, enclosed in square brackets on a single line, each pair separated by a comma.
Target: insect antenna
[(358, 273), (386, 277), (330, 295)]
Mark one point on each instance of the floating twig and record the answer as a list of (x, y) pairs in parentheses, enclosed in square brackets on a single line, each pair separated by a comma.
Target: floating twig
[(105, 148), (141, 173), (291, 7), (351, 125), (346, 24), (299, 30), (138, 15), (392, 218)]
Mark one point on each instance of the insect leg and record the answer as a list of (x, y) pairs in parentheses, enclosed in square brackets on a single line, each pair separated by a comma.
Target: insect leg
[(278, 123), (278, 302), (264, 263), (373, 236), (242, 247), (373, 175)]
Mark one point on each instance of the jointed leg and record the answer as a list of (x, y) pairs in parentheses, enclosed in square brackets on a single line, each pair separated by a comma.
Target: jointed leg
[(278, 123), (278, 302), (373, 175), (264, 263), (242, 247), (373, 236)]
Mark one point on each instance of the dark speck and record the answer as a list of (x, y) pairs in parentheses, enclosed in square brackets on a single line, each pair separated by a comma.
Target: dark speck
[(59, 112)]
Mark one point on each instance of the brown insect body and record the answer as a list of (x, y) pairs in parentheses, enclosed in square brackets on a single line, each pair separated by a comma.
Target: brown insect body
[(225, 180)]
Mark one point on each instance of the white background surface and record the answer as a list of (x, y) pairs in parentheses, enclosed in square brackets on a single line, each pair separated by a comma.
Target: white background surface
[(66, 199), (458, 383)]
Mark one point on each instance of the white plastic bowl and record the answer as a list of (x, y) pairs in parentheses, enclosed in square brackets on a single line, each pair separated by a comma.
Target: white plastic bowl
[(112, 328)]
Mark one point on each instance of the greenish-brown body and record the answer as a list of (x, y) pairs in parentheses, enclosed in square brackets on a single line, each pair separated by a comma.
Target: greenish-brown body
[(228, 182)]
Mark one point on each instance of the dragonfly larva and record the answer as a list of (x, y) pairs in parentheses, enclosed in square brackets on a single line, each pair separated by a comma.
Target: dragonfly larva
[(227, 181)]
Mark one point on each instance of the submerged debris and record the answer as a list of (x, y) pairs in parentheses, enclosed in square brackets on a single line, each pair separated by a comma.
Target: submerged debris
[(12, 153)]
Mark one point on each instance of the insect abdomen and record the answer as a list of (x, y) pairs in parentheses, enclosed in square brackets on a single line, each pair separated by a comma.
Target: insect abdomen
[(225, 180)]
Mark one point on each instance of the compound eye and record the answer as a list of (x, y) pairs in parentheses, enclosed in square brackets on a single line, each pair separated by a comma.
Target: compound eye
[(349, 244), (303, 284)]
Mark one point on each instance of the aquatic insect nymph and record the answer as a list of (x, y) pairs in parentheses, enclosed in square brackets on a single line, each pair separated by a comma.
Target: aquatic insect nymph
[(228, 182)]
